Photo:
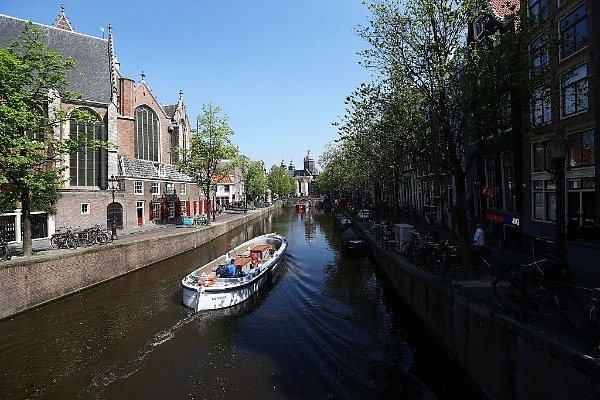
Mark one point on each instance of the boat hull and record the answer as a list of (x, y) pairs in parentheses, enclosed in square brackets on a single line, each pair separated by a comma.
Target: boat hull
[(227, 292)]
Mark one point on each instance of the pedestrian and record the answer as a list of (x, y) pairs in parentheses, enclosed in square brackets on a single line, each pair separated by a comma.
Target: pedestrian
[(479, 237)]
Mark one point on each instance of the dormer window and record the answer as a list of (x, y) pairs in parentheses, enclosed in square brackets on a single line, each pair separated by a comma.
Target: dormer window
[(160, 170)]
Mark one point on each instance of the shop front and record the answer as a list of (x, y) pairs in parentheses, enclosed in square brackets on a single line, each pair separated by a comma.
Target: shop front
[(505, 227)]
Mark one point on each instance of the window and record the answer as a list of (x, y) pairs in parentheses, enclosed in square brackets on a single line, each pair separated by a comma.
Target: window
[(508, 181), (182, 189), (138, 187), (490, 178), (183, 207), (541, 106), (85, 208), (84, 165), (581, 150), (505, 115), (544, 200), (541, 158), (538, 10), (156, 210), (573, 32), (574, 91), (155, 188), (147, 134), (478, 27), (171, 209), (539, 49)]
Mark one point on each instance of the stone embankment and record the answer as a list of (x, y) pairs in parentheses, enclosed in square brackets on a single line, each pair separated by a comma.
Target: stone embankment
[(508, 358), (28, 282)]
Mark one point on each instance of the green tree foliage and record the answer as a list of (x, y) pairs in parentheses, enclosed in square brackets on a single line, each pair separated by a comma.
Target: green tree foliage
[(255, 180), (212, 155), (437, 99), (31, 79), (280, 181)]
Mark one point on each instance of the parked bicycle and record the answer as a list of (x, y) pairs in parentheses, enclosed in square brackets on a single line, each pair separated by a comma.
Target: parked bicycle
[(445, 257), (5, 253), (96, 235), (419, 249), (63, 240), (542, 284)]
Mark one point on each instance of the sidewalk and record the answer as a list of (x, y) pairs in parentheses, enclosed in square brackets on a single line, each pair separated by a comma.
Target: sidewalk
[(583, 259), (41, 246)]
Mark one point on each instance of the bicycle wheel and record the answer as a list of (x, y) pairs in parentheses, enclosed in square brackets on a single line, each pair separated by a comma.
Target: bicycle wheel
[(480, 266), (101, 238), (404, 249), (440, 264), (571, 309), (595, 315), (507, 294), (54, 242), (420, 259), (70, 243), (4, 253)]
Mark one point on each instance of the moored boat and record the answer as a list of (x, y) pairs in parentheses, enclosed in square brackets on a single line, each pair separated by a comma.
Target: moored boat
[(255, 260)]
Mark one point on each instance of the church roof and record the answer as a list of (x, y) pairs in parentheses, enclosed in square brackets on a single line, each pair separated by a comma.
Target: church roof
[(91, 75)]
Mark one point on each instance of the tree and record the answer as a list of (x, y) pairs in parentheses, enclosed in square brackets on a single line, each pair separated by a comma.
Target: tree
[(255, 179), (455, 89), (280, 181), (212, 155), (32, 78)]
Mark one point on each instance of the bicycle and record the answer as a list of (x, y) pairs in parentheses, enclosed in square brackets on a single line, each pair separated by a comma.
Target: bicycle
[(528, 287), (63, 240), (446, 256), (5, 253), (96, 235)]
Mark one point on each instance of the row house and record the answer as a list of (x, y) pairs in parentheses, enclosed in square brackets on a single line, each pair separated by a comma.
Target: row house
[(133, 184), (517, 184), (512, 186)]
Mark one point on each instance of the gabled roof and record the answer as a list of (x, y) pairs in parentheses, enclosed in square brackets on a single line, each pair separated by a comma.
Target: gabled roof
[(223, 179), (504, 10), (135, 168), (91, 76)]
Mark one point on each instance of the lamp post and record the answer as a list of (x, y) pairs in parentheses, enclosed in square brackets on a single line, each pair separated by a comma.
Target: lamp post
[(113, 188), (557, 147)]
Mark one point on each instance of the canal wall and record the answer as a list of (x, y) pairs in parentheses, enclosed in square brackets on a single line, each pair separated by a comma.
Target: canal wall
[(28, 282), (507, 358)]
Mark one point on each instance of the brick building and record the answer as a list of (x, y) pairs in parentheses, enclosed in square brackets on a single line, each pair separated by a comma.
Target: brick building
[(147, 186)]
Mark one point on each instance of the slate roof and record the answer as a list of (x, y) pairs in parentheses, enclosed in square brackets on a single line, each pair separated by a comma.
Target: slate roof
[(130, 167), (91, 76), (170, 110)]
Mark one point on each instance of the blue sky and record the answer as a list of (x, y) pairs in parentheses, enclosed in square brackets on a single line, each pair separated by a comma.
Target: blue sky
[(279, 69)]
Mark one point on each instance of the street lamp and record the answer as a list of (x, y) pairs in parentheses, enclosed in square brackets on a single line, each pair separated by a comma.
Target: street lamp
[(557, 148), (113, 188)]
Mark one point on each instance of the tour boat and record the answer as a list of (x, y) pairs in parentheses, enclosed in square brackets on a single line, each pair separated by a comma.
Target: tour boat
[(255, 261)]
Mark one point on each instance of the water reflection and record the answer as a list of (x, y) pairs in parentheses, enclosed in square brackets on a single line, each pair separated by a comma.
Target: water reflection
[(327, 327)]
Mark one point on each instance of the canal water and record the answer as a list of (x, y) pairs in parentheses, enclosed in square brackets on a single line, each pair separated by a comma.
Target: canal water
[(327, 327)]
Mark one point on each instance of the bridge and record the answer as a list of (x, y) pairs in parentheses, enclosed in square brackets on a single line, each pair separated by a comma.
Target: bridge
[(310, 201)]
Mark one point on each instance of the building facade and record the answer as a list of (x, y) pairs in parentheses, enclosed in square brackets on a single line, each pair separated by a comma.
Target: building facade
[(134, 183)]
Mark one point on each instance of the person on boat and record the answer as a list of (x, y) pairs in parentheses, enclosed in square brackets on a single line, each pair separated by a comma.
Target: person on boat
[(231, 269), (254, 267)]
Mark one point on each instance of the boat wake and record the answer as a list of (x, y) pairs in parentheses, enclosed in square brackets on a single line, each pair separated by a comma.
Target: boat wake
[(125, 368)]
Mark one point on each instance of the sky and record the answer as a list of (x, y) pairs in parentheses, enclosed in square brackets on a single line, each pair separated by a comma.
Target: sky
[(278, 69)]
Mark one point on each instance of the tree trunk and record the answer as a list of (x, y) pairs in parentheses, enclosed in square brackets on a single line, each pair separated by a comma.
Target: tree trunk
[(462, 224), (26, 224)]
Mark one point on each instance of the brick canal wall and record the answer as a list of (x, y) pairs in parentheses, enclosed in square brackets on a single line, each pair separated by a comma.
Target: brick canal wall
[(33, 281), (508, 359)]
